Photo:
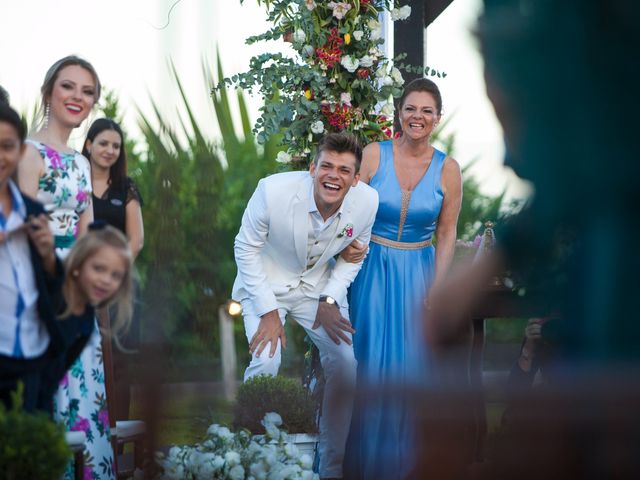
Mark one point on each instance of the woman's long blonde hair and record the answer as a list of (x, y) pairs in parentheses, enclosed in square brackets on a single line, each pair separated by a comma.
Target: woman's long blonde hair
[(84, 248)]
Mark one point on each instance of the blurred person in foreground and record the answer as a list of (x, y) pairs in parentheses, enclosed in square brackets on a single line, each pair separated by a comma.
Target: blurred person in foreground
[(560, 78)]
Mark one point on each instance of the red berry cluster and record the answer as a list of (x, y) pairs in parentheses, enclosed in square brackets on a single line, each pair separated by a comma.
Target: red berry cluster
[(331, 53)]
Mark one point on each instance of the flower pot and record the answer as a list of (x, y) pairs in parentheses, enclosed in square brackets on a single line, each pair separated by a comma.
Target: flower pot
[(306, 442)]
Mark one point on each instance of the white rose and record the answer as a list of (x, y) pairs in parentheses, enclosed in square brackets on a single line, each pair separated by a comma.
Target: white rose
[(387, 81), (376, 34), (308, 50), (349, 63), (310, 4), (272, 418), (373, 24), (345, 97), (291, 451), (306, 461), (213, 429), (307, 475), (357, 35), (254, 448), (317, 127), (283, 157), (271, 430), (405, 11), (397, 76), (232, 458), (218, 462), (387, 109), (299, 36), (258, 470), (174, 452), (340, 9), (401, 13), (271, 459), (366, 61), (236, 473), (224, 433), (175, 472)]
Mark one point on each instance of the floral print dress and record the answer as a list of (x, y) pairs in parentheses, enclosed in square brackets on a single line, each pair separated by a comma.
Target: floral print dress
[(80, 402)]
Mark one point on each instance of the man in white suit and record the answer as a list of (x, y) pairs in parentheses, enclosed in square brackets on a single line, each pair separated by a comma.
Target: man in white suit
[(294, 225)]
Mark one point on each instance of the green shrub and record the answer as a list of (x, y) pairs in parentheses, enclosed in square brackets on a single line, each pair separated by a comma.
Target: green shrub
[(285, 396), (31, 445)]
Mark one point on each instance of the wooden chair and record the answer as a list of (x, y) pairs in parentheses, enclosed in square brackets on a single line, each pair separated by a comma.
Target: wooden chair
[(122, 431), (77, 441)]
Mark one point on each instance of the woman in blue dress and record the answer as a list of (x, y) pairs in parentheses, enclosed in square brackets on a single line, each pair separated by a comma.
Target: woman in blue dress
[(420, 190)]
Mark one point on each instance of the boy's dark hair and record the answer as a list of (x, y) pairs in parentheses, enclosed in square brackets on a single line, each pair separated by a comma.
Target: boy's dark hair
[(340, 143), (4, 95), (10, 116)]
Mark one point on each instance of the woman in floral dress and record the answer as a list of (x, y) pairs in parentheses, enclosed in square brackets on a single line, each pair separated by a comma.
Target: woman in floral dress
[(60, 178)]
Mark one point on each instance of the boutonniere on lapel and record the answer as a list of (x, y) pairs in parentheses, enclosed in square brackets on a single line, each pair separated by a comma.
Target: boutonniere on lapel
[(346, 231)]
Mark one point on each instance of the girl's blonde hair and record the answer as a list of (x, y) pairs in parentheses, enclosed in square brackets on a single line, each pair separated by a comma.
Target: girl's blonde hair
[(87, 246)]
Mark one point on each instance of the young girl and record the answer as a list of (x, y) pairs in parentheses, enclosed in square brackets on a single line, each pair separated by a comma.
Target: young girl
[(98, 275)]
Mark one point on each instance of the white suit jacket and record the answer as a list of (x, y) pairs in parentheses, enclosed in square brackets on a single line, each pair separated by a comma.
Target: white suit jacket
[(271, 246)]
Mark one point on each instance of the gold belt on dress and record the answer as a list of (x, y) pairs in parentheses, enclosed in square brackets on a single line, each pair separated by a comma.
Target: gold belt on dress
[(400, 245)]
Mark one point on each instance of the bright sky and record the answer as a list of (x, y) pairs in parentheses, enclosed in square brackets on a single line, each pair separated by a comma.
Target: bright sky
[(124, 41)]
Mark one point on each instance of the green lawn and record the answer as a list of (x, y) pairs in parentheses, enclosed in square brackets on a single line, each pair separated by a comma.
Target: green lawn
[(184, 419)]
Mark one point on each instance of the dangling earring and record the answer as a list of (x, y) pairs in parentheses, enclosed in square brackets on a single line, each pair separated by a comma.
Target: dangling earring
[(46, 116)]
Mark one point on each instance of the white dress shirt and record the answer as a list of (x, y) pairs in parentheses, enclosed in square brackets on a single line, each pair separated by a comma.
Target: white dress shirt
[(22, 334), (320, 233)]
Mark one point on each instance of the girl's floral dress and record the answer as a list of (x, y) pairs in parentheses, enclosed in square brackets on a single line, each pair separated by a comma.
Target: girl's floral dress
[(80, 402)]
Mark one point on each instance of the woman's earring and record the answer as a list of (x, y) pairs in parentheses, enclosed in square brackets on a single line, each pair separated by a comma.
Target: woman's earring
[(46, 116)]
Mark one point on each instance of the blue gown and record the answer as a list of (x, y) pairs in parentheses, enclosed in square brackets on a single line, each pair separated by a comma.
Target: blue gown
[(386, 302)]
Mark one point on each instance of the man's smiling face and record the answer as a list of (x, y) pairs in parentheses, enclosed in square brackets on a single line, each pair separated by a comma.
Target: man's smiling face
[(333, 175)]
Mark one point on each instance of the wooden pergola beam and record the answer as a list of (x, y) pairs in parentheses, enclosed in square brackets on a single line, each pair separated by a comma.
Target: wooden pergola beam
[(409, 37)]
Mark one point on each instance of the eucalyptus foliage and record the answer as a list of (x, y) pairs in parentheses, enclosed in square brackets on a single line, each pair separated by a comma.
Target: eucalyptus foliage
[(336, 79)]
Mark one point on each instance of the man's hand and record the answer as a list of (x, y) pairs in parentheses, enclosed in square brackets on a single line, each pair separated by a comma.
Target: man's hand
[(269, 330), (42, 239), (354, 252), (334, 324)]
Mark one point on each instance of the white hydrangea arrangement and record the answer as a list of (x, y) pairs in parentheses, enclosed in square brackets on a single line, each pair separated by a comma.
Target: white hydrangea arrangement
[(239, 456)]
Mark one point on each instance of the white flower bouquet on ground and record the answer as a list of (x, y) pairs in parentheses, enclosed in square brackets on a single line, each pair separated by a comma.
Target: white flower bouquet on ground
[(237, 456)]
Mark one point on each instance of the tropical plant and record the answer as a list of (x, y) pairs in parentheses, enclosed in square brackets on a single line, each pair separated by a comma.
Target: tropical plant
[(194, 191), (337, 80)]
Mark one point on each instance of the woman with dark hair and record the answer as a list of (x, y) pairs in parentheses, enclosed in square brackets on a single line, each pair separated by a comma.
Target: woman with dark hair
[(420, 190), (116, 200), (60, 178)]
